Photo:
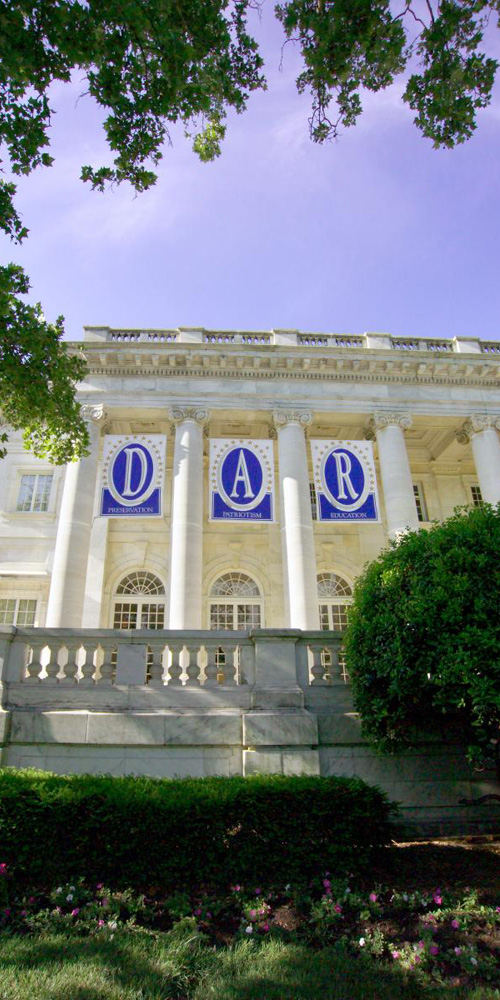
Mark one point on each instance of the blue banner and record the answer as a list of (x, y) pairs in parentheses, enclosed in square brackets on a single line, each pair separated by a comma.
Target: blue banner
[(133, 472), (344, 476), (241, 480)]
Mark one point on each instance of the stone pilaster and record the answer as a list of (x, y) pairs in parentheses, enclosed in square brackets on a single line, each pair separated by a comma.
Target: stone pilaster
[(480, 429), (296, 520), (186, 549), (67, 585), (388, 428)]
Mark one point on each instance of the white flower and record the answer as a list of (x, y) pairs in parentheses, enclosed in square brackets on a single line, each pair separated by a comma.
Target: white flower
[(249, 929), (71, 888), (361, 942), (112, 925), (59, 889), (473, 960), (69, 897)]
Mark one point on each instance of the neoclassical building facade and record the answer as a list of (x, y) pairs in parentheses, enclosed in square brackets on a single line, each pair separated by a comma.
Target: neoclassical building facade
[(430, 408), (173, 604)]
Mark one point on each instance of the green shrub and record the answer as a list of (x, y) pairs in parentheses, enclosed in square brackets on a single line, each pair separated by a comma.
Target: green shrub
[(423, 641), (180, 834)]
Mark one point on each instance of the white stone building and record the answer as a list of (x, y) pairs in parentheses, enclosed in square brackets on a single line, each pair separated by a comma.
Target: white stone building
[(431, 409)]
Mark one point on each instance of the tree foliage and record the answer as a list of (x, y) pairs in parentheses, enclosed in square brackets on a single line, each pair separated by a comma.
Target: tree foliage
[(151, 64), (423, 641)]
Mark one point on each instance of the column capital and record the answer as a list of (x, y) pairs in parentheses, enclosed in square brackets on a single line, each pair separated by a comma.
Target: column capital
[(477, 423), (179, 413), (283, 417), (93, 412), (385, 418)]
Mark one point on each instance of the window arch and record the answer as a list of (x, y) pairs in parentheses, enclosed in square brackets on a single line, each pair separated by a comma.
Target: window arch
[(334, 595), (133, 606), (235, 602)]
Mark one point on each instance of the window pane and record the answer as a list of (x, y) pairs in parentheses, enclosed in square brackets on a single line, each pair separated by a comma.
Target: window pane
[(7, 612), (42, 493), (153, 616), (25, 497), (221, 616), (26, 613), (324, 619), (477, 497), (248, 616), (339, 617), (125, 616)]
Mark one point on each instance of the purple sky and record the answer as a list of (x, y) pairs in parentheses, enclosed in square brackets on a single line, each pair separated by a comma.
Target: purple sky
[(375, 232)]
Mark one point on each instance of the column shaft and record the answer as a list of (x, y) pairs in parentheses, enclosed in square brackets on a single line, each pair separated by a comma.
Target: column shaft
[(186, 551), (400, 507), (297, 526), (67, 586), (486, 451)]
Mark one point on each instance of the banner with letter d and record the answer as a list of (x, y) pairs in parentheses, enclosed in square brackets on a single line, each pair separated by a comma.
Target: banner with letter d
[(344, 477), (133, 475), (241, 480)]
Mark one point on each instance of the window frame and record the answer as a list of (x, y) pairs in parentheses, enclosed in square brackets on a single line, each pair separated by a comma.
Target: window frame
[(18, 599), (235, 603)]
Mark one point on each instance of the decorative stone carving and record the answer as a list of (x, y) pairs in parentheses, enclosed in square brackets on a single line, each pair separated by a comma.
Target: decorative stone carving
[(95, 413), (180, 413), (384, 418), (283, 417), (476, 423)]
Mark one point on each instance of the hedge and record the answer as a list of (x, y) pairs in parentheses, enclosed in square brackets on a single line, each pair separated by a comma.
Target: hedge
[(180, 834)]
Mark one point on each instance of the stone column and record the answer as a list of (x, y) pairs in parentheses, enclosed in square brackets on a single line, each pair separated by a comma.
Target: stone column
[(400, 507), (186, 549), (481, 430), (296, 521), (67, 586)]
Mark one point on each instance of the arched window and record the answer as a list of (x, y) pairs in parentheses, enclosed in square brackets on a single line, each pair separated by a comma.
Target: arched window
[(334, 594), (134, 607), (235, 602)]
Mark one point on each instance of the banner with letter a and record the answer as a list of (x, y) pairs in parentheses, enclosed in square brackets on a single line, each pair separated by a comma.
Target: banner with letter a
[(241, 480), (133, 472), (345, 481)]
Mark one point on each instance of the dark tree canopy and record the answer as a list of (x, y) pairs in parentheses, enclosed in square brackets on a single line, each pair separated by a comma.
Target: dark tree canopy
[(153, 63), (423, 641)]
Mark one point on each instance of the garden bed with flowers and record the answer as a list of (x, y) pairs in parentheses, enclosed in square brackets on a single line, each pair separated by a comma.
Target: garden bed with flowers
[(440, 938)]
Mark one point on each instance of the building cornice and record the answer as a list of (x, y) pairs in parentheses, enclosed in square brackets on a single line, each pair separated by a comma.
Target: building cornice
[(361, 365)]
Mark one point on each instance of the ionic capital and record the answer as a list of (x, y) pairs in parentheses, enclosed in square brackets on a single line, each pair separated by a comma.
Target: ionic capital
[(95, 413), (179, 413), (477, 423), (283, 417), (383, 418)]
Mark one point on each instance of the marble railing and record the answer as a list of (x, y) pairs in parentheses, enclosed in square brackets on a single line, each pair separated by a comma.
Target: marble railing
[(294, 338), (106, 658)]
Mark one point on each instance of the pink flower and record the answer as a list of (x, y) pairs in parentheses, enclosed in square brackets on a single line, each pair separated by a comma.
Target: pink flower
[(326, 883), (100, 923), (3, 868), (253, 915), (24, 913), (337, 908), (437, 898), (208, 915), (100, 885), (458, 951), (197, 912), (455, 924), (373, 897), (265, 927), (31, 899), (434, 949), (395, 954), (236, 888), (416, 959), (105, 902), (258, 892), (7, 912), (75, 912)]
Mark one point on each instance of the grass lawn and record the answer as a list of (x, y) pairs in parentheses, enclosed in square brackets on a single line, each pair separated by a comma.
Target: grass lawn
[(305, 955)]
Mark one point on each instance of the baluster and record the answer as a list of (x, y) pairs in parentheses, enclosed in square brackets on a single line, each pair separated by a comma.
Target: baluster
[(52, 668), (212, 667), (34, 665), (108, 664), (71, 666), (230, 671), (87, 668), (317, 666), (193, 669), (175, 668), (155, 665)]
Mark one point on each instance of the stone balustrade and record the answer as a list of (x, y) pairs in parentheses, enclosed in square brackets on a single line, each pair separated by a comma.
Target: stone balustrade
[(294, 338), (35, 663)]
